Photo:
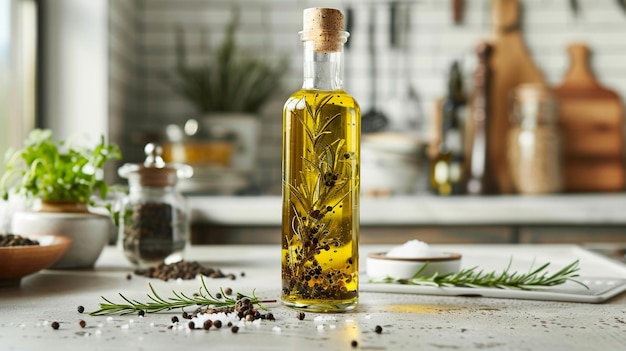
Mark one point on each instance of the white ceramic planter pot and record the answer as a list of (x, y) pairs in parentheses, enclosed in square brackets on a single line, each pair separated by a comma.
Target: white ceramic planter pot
[(389, 164), (245, 129), (89, 232)]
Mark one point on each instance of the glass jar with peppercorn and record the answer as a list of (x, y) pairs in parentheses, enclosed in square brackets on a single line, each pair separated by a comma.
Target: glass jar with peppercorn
[(154, 216)]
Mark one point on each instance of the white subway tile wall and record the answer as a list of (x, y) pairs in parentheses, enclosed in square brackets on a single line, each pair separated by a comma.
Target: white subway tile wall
[(142, 48)]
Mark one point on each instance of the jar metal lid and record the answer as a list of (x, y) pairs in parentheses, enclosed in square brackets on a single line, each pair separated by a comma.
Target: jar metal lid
[(154, 172)]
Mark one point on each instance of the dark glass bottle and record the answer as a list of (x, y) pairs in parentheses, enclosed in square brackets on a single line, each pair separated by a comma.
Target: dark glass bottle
[(446, 174)]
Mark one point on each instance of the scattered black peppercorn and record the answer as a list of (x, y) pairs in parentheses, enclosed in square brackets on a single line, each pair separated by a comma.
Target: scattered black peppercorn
[(218, 296), (141, 313), (207, 324), (191, 325), (234, 329), (80, 309), (55, 325), (301, 315), (243, 304), (228, 291), (243, 274), (129, 276), (82, 323), (378, 329), (270, 316), (230, 324), (354, 343), (232, 276), (186, 315), (174, 319), (217, 324), (180, 270)]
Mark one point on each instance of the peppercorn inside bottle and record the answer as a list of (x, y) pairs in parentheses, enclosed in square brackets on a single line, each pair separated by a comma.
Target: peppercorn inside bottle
[(154, 216)]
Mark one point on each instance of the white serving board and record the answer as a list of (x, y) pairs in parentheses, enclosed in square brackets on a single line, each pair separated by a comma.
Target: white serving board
[(600, 290), (604, 277)]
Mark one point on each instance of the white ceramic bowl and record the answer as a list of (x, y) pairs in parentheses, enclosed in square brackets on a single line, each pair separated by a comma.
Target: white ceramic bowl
[(379, 265), (89, 233)]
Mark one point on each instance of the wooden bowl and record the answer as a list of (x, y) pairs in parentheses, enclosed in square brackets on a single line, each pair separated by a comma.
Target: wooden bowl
[(17, 262)]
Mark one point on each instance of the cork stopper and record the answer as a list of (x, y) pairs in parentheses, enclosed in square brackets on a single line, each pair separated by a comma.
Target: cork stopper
[(325, 27)]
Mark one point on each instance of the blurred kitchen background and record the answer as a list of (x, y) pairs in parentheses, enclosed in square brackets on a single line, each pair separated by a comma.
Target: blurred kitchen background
[(133, 69)]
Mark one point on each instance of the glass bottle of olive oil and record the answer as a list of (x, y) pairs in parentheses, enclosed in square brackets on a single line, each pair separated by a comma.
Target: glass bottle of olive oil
[(321, 144)]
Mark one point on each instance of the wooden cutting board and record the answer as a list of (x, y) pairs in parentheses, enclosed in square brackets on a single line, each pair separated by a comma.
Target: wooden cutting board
[(511, 65), (592, 128)]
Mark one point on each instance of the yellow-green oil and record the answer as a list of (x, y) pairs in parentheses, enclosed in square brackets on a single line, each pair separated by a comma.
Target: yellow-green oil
[(320, 229)]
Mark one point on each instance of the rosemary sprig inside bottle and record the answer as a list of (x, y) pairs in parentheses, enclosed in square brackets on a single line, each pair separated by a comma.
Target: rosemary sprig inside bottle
[(203, 299), (478, 278)]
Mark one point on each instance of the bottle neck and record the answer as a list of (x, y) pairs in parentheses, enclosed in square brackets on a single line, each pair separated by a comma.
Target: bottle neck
[(322, 70)]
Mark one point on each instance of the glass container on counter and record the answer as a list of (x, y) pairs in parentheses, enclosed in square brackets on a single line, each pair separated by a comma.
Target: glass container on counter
[(321, 147), (154, 218), (534, 150)]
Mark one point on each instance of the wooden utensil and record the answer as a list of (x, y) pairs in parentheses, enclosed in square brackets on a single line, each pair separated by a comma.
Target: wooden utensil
[(591, 122), (512, 65)]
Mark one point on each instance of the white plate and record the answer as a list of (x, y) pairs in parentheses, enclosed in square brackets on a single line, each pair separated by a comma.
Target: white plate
[(605, 278), (600, 290)]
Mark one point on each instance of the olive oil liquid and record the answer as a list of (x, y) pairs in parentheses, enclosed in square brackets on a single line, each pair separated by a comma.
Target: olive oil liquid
[(320, 229)]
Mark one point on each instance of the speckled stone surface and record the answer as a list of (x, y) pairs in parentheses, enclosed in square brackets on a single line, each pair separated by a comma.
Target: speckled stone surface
[(415, 322)]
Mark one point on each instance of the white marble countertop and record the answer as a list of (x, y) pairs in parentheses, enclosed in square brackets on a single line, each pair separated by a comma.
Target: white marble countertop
[(409, 321), (586, 209)]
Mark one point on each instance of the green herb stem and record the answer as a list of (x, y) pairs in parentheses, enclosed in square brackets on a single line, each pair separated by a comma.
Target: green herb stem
[(180, 300), (477, 278)]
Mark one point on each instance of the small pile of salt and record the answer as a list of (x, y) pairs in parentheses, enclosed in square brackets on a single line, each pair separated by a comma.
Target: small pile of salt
[(413, 249)]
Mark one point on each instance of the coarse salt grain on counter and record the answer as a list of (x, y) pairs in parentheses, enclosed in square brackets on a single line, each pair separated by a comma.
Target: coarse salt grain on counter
[(232, 317), (413, 249), (325, 318)]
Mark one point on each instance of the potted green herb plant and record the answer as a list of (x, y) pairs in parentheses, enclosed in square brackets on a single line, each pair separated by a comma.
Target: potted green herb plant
[(59, 180), (228, 90)]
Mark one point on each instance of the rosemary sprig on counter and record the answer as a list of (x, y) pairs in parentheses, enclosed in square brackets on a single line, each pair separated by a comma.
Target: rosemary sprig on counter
[(180, 300), (475, 278)]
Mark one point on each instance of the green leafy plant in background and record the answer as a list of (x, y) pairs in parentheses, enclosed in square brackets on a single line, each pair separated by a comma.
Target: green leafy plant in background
[(56, 171), (230, 80)]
